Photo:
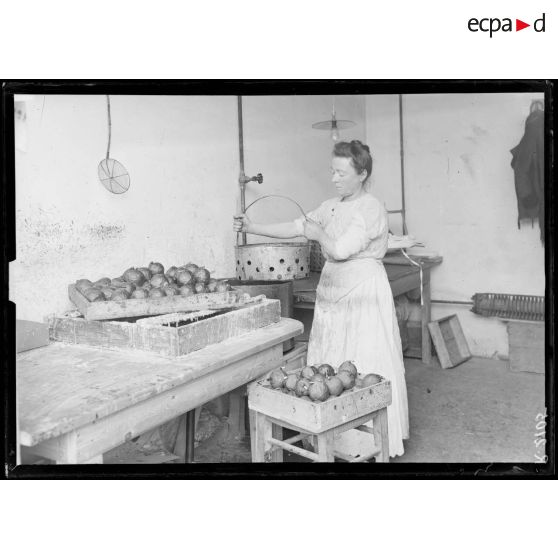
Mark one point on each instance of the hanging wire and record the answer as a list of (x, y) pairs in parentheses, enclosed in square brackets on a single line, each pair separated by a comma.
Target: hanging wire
[(109, 126), (417, 264)]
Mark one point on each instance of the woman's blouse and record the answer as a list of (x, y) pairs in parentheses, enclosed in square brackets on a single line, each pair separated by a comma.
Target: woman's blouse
[(359, 227)]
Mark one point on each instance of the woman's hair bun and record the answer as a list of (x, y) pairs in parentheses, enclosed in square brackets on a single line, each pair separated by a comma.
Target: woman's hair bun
[(358, 143)]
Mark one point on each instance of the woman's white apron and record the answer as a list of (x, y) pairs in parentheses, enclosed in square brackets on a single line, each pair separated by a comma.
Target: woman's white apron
[(354, 319)]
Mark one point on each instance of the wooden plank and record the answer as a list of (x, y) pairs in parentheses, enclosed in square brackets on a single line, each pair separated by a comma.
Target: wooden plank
[(381, 435), (92, 333), (449, 341), (441, 350), (62, 329), (195, 336), (237, 403), (325, 447), (262, 435), (451, 345), (460, 340), (295, 358), (62, 387), (161, 340), (277, 434), (111, 309), (406, 283), (526, 346), (425, 317), (281, 446), (104, 434), (30, 335)]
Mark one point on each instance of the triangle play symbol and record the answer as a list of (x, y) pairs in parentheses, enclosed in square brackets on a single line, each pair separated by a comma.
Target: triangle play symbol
[(519, 25)]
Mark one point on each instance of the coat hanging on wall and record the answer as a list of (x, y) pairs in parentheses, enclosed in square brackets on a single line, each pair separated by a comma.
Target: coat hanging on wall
[(528, 166)]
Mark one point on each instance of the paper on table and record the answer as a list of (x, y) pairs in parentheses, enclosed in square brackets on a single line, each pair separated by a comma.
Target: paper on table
[(398, 242)]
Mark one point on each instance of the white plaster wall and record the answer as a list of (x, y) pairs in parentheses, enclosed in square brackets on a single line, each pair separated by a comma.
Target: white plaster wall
[(293, 157), (182, 156), (460, 197)]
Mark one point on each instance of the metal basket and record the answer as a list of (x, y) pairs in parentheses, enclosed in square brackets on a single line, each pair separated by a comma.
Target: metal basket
[(513, 307), (274, 261)]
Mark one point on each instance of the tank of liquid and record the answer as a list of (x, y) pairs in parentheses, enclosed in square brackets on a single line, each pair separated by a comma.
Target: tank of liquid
[(279, 290)]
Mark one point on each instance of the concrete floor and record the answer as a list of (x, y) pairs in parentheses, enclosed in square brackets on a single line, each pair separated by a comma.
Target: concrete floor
[(479, 411)]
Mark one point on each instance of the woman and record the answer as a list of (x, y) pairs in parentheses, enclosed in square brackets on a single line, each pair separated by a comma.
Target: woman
[(354, 315)]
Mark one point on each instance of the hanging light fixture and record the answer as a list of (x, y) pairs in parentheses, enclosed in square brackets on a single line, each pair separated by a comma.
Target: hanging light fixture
[(334, 125)]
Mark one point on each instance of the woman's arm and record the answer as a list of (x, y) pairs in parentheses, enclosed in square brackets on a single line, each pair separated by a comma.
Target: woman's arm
[(312, 231), (276, 230), (352, 242)]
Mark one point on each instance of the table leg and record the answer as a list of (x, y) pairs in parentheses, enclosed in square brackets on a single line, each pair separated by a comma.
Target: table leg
[(325, 446), (252, 416), (277, 433), (237, 402), (260, 429), (381, 435), (426, 317), (190, 436)]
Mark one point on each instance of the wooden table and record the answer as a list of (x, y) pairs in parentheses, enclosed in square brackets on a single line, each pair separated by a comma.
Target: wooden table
[(77, 402), (403, 278)]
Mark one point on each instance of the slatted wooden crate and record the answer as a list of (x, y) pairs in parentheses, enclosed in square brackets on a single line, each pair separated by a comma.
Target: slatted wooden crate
[(314, 416), (172, 335), (450, 343), (112, 309)]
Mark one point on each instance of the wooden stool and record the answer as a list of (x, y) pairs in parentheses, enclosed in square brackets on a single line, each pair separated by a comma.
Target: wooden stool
[(268, 444), (272, 410)]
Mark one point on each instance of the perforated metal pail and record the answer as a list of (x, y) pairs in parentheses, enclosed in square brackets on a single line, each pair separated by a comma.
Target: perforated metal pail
[(281, 261)]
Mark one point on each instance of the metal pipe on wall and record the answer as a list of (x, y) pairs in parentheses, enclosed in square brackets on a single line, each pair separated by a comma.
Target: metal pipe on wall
[(402, 157), (242, 176), (440, 301)]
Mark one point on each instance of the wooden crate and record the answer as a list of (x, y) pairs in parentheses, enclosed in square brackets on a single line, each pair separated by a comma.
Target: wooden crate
[(112, 309), (526, 346), (313, 416), (153, 336), (450, 343)]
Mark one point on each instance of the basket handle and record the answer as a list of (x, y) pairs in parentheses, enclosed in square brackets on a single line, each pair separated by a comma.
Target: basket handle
[(275, 196)]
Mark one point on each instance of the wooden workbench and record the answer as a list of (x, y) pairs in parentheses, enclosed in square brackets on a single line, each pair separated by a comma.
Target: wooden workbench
[(403, 278), (77, 402)]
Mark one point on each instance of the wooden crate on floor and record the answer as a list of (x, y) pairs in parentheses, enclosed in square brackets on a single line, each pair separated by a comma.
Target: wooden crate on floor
[(450, 343), (526, 346)]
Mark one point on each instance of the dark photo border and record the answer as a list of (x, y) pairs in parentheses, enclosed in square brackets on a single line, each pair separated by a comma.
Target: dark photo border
[(256, 470)]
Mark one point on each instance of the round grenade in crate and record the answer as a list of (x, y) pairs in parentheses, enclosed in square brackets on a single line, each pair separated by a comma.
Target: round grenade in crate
[(273, 261)]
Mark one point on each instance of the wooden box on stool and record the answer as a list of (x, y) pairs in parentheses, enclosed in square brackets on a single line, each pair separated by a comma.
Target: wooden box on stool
[(272, 410), (293, 359)]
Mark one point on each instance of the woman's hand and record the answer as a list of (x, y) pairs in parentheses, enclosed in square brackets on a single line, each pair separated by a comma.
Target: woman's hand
[(241, 223), (312, 231)]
